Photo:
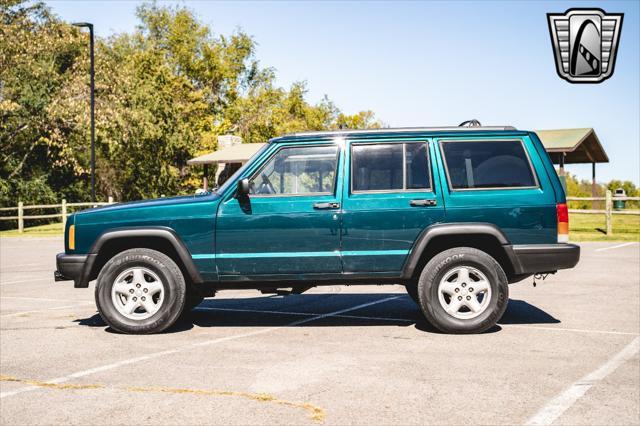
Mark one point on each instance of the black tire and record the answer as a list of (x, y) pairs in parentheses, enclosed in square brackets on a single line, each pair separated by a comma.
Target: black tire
[(193, 300), (444, 263), (167, 271), (412, 291)]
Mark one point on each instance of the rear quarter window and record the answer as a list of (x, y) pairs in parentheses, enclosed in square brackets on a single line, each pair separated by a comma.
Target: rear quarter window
[(487, 164)]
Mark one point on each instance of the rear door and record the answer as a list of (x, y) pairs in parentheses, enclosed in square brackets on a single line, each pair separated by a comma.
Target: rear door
[(388, 199)]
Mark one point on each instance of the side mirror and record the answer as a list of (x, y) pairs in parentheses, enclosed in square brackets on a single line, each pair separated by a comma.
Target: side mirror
[(243, 188)]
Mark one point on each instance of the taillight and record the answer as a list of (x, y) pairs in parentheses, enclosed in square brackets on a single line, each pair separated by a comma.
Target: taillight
[(72, 237), (563, 223)]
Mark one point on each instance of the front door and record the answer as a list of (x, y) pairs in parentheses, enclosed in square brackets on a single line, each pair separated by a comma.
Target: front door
[(290, 223), (389, 199)]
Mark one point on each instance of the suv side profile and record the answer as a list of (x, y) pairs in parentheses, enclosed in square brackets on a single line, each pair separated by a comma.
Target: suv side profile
[(454, 214)]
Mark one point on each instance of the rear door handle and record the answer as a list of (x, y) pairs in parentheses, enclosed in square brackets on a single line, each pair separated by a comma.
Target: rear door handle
[(326, 206), (422, 203)]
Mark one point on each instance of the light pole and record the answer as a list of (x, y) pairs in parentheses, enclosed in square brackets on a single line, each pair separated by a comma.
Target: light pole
[(93, 121)]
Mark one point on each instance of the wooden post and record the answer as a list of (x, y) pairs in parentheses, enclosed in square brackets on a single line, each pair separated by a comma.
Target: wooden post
[(205, 178), (20, 217), (608, 205), (110, 200), (594, 193), (216, 176), (64, 214), (561, 173)]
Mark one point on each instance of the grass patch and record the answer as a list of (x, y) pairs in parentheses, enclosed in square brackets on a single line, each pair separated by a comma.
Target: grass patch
[(50, 230), (582, 227), (592, 227)]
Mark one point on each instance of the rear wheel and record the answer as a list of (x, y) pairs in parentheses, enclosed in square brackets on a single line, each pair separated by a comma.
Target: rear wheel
[(412, 291), (463, 290), (140, 291)]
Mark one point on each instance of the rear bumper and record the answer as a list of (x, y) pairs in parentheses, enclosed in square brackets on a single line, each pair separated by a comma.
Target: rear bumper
[(541, 258), (74, 267)]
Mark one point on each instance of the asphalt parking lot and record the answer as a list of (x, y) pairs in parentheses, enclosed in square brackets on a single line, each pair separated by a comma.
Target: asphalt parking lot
[(565, 352)]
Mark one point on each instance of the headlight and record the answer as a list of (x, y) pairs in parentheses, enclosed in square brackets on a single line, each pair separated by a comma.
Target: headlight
[(72, 237)]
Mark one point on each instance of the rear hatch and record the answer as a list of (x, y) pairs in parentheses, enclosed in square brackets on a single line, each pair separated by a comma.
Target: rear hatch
[(562, 210)]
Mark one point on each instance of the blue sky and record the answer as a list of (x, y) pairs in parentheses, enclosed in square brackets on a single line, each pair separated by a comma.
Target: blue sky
[(429, 63)]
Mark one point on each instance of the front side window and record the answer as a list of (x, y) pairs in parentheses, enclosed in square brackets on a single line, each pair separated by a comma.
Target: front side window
[(297, 171), (390, 167), (487, 164)]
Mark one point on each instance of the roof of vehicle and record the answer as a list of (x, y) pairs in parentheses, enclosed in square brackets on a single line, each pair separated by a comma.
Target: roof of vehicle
[(389, 131)]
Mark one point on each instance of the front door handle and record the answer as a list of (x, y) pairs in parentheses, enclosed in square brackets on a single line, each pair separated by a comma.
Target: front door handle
[(422, 203), (326, 206)]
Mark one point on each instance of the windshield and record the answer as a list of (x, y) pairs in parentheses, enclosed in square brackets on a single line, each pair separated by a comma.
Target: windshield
[(222, 189)]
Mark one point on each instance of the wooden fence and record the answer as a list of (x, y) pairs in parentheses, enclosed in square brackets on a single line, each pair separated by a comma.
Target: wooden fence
[(63, 207), (608, 208)]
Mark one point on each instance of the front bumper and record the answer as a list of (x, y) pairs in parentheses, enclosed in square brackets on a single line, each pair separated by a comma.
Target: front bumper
[(541, 258), (76, 267)]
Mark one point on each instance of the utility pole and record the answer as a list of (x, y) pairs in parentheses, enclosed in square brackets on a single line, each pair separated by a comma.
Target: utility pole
[(93, 108)]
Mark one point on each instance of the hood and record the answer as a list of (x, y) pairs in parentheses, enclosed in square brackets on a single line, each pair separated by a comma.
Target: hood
[(154, 202)]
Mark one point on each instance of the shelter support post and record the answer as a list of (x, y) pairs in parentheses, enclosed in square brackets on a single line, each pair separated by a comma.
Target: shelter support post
[(594, 192), (205, 178), (561, 172)]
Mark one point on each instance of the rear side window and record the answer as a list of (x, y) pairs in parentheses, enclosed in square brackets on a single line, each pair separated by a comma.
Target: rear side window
[(417, 166), (487, 164), (390, 167)]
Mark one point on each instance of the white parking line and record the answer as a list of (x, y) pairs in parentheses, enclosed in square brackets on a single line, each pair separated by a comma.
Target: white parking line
[(25, 281), (310, 314), (188, 347), (44, 299), (561, 403), (532, 327), (575, 330), (615, 247), (16, 314), (24, 265)]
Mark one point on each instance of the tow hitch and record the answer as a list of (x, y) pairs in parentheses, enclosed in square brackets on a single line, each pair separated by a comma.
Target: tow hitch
[(542, 276)]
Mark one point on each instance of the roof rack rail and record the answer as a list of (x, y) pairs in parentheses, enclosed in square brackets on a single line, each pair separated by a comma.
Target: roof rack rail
[(466, 128), (470, 123)]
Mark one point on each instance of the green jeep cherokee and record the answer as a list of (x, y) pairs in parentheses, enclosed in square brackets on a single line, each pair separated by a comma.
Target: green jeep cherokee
[(455, 214)]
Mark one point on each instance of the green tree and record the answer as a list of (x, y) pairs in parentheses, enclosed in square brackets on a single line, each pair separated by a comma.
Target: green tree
[(628, 186), (38, 149), (581, 188), (630, 190), (361, 120), (163, 95)]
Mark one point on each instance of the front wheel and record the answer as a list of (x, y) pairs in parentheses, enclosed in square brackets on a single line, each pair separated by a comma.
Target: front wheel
[(192, 300), (463, 290), (140, 291)]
